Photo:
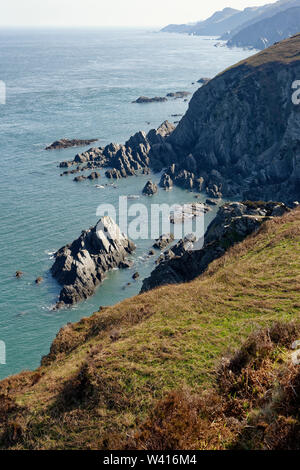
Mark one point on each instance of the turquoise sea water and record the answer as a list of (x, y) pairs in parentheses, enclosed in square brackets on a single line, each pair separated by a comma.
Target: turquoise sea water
[(76, 84)]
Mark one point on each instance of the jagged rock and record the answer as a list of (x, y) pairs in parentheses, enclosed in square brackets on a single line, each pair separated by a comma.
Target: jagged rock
[(145, 99), (113, 174), (136, 276), (163, 241), (77, 179), (39, 280), (19, 274), (150, 188), (81, 266), (66, 143), (234, 221), (94, 175), (166, 182)]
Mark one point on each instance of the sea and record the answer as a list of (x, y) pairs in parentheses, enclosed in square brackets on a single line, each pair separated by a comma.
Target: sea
[(78, 83)]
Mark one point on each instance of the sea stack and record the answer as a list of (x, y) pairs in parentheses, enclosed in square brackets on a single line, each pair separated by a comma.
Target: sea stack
[(82, 265)]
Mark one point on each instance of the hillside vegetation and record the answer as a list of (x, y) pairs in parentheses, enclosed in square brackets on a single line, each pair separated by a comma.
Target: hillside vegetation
[(150, 372)]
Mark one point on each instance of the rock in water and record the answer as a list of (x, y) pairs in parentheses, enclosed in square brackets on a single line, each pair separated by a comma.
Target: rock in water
[(66, 143), (81, 266), (146, 99), (234, 222), (150, 188)]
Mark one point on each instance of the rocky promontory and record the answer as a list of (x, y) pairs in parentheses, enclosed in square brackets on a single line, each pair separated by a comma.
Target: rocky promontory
[(234, 221), (82, 265), (66, 143)]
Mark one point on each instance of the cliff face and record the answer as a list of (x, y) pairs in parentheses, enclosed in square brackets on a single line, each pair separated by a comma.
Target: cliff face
[(268, 31), (241, 133)]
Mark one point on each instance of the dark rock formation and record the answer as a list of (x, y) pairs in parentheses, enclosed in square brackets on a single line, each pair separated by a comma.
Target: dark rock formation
[(203, 80), (66, 143), (232, 224), (163, 241), (39, 280), (135, 156), (240, 136), (178, 94), (166, 182), (145, 99), (81, 266), (19, 274), (150, 188), (136, 276), (268, 31)]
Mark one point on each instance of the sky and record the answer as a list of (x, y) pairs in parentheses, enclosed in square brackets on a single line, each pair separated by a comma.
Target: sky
[(112, 12)]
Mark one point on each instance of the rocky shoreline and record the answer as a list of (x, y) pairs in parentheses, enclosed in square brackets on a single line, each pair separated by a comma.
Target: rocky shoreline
[(233, 223)]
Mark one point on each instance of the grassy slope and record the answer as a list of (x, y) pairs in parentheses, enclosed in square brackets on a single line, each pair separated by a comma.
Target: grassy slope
[(105, 373)]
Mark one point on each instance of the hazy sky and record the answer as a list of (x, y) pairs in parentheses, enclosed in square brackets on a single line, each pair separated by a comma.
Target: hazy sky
[(112, 12)]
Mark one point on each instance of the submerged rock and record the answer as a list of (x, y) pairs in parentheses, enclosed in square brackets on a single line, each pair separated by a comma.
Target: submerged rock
[(39, 280), (82, 265), (19, 274)]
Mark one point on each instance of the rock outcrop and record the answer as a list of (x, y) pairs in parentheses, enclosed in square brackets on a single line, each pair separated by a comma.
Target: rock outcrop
[(163, 241), (146, 99), (232, 224), (126, 160), (150, 188), (66, 143), (82, 265)]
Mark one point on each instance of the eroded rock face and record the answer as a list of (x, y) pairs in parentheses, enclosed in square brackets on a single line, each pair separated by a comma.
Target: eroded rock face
[(241, 134), (81, 266), (234, 222)]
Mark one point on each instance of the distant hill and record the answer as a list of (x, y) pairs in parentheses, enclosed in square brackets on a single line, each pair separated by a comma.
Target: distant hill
[(266, 11), (268, 31), (228, 22)]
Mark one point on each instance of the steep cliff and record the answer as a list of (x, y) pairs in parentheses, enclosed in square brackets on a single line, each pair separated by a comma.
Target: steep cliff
[(268, 31), (241, 133)]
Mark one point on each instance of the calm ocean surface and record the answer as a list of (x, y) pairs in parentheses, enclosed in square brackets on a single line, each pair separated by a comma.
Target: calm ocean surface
[(76, 84)]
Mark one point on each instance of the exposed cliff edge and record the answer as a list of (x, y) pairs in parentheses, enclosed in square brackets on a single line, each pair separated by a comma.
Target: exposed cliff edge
[(264, 33), (81, 266), (234, 222), (241, 134)]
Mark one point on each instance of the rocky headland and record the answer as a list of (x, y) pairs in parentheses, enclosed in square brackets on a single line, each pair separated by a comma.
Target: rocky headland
[(233, 223), (239, 138), (81, 266)]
